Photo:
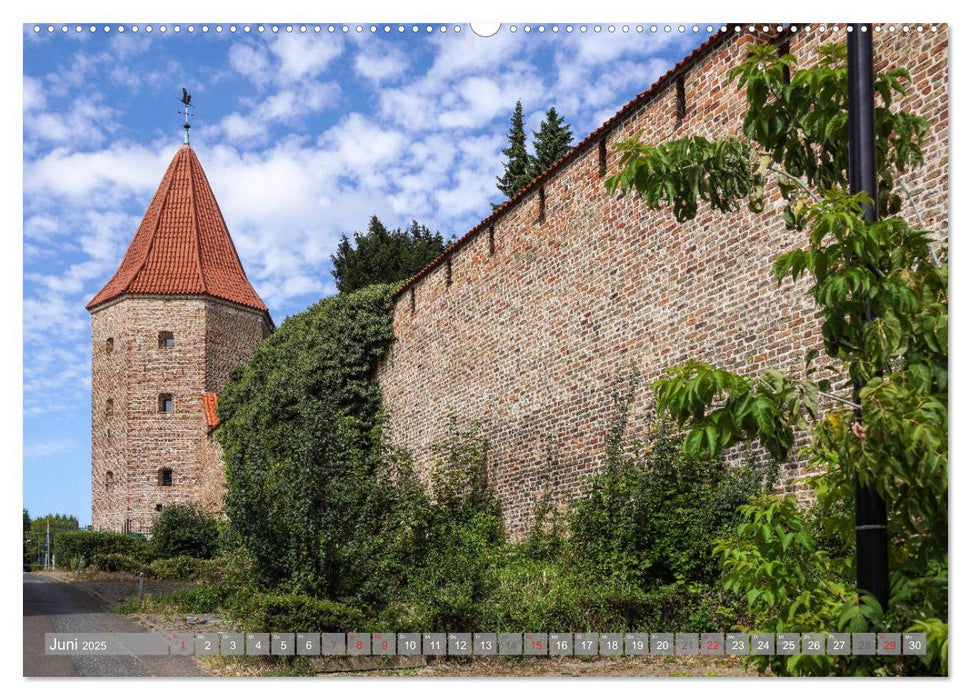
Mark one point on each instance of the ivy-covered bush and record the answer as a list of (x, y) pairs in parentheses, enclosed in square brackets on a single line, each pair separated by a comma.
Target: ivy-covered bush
[(296, 427)]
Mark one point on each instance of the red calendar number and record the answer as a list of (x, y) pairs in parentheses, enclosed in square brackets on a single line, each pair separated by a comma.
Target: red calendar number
[(360, 645), (384, 646), (537, 644), (713, 644), (889, 645)]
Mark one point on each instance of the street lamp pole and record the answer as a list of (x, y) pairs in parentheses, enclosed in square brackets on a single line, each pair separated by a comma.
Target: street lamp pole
[(872, 563)]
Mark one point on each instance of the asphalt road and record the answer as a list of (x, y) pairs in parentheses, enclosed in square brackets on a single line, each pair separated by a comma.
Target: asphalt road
[(54, 606)]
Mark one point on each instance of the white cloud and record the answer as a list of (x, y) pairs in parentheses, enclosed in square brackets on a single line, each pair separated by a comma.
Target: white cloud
[(251, 61), (595, 49), (467, 52), (46, 448), (109, 175), (290, 105), (41, 227), (33, 94), (87, 121), (378, 61), (358, 145), (286, 59), (238, 128), (305, 55)]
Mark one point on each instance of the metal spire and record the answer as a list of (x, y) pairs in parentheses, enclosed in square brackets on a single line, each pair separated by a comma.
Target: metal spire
[(186, 99)]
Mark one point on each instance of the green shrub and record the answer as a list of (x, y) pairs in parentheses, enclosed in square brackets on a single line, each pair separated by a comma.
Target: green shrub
[(449, 560), (118, 562), (185, 530), (72, 545), (653, 516), (288, 612), (176, 568)]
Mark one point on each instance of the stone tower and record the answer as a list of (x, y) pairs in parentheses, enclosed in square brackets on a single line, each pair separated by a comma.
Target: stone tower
[(167, 329)]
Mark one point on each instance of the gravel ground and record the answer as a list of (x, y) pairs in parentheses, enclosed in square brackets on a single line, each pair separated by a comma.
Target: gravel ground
[(115, 588), (572, 667)]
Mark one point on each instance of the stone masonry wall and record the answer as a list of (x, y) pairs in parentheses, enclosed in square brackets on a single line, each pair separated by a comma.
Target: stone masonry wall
[(208, 342), (543, 317)]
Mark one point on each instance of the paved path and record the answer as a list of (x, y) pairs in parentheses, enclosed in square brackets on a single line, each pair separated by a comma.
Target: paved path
[(54, 606)]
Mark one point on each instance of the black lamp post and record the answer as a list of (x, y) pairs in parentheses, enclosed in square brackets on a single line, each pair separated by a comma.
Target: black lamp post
[(872, 565)]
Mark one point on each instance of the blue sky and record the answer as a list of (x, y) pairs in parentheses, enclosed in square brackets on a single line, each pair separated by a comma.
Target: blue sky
[(303, 137)]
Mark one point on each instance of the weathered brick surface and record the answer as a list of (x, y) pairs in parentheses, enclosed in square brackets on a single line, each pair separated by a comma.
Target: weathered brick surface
[(539, 330), (135, 441)]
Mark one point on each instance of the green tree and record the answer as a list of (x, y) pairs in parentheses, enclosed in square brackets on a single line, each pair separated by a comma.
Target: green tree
[(382, 256), (26, 535), (881, 290), (550, 143), (38, 533), (517, 169), (184, 529)]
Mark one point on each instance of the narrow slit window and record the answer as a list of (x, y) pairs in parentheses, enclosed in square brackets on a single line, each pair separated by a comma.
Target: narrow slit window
[(109, 407), (448, 272), (411, 296), (109, 478), (165, 477), (166, 339), (602, 156), (492, 240), (784, 48), (682, 105), (542, 206), (166, 404), (110, 345)]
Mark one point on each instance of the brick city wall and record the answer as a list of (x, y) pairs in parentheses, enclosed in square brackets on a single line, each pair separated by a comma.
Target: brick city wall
[(540, 317), (134, 440)]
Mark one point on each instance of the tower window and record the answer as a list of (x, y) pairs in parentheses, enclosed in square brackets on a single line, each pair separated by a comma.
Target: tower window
[(165, 477), (602, 156), (109, 407), (492, 240), (542, 206), (158, 507), (166, 404), (109, 345), (109, 478), (166, 339), (448, 272)]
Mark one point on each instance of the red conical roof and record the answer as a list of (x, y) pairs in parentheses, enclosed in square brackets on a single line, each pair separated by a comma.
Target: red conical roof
[(182, 245)]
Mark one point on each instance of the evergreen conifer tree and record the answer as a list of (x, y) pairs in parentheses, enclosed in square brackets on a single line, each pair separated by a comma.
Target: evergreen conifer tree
[(517, 168), (381, 255), (550, 143)]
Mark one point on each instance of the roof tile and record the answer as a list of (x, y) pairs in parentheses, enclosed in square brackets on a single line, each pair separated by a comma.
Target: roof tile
[(182, 245), (210, 402)]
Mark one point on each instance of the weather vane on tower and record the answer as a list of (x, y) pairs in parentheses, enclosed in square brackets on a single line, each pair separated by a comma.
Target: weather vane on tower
[(186, 99)]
